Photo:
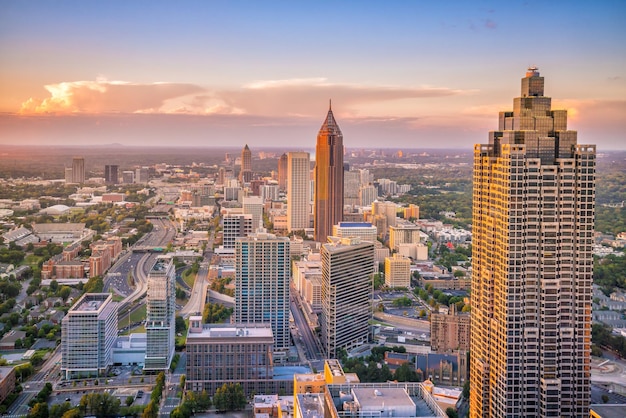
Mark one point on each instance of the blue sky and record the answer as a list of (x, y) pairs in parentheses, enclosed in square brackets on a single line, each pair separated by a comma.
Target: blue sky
[(408, 74)]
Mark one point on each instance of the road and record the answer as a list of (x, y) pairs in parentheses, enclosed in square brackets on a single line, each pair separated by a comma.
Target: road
[(195, 304), (306, 337)]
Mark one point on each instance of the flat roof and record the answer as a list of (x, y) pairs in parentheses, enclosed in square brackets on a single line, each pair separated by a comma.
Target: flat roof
[(311, 405), (376, 398), (233, 331), (90, 302)]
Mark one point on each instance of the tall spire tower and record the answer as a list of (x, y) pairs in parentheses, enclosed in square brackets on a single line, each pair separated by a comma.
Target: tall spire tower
[(328, 209), (246, 165), (532, 264)]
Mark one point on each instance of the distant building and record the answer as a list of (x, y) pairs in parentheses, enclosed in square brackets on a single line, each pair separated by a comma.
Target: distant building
[(78, 170), (362, 230), (111, 174), (347, 265), (236, 225), (88, 334), (128, 177), (282, 172), (253, 205), (245, 176), (142, 175), (160, 314), (449, 332), (443, 369), (404, 232)]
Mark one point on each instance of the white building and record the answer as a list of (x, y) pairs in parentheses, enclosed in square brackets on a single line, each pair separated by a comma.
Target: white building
[(160, 319), (298, 181)]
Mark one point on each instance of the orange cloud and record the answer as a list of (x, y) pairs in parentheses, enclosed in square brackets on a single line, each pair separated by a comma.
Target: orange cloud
[(102, 96)]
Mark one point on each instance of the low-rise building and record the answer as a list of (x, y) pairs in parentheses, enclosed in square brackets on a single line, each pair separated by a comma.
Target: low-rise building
[(7, 382)]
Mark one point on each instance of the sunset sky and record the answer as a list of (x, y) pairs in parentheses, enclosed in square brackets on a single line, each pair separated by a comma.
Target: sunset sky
[(401, 74)]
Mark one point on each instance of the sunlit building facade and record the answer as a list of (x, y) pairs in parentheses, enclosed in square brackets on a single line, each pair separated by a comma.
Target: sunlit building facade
[(328, 209), (532, 262), (298, 175), (160, 314)]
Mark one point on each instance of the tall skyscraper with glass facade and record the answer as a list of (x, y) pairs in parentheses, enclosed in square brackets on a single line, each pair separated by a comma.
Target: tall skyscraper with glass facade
[(262, 271), (160, 315), (532, 262), (298, 181), (328, 209)]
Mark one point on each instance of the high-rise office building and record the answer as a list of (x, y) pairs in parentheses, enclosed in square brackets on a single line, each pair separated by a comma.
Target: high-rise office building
[(347, 265), (78, 170), (236, 225), (262, 272), (328, 209), (111, 174), (88, 334), (282, 172), (397, 271), (298, 174), (245, 176), (253, 205), (160, 320), (351, 186), (532, 262)]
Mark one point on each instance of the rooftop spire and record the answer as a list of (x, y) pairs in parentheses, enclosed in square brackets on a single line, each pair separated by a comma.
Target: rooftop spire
[(330, 104), (330, 124)]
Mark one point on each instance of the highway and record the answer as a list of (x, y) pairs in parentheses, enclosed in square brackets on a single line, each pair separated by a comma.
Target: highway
[(195, 304)]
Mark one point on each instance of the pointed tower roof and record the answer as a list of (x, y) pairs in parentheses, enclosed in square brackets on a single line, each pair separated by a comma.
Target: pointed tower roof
[(246, 147), (330, 124)]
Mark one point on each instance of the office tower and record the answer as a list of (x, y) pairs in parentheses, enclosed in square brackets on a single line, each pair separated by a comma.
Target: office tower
[(236, 225), (365, 231), (161, 308), (253, 205), (223, 353), (367, 195), (533, 214), (328, 178), (88, 334), (387, 209), (269, 192), (262, 272), (351, 186), (142, 175), (128, 177), (298, 173), (69, 178), (78, 170), (246, 165), (397, 271), (282, 172), (404, 232), (347, 265), (449, 331), (412, 212), (111, 175)]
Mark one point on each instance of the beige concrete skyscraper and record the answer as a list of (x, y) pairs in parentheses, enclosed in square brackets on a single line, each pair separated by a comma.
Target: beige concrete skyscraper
[(282, 172), (78, 170), (298, 174), (532, 262), (328, 210)]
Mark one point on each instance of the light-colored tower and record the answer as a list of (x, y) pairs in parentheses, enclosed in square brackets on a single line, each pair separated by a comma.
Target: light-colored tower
[(78, 170), (397, 271), (328, 209), (253, 205), (262, 272), (160, 320), (282, 172), (298, 174), (88, 334), (532, 264), (245, 176), (347, 265)]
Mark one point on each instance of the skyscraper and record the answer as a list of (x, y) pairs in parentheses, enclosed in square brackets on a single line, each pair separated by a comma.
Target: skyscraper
[(298, 174), (160, 320), (282, 172), (88, 334), (328, 209), (262, 271), (347, 264), (111, 175), (532, 262), (246, 165), (78, 170)]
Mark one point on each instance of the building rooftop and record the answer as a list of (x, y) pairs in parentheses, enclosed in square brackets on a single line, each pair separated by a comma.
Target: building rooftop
[(232, 331), (376, 398), (90, 302), (311, 405)]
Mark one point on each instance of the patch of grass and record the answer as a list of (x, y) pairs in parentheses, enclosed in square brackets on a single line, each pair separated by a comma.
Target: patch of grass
[(189, 277)]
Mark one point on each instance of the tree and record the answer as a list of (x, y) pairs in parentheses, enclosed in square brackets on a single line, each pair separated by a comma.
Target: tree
[(466, 389), (39, 410), (406, 373), (99, 404), (451, 412), (180, 324), (229, 397)]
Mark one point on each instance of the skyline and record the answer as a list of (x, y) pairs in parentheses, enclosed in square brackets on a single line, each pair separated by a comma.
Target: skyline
[(413, 75)]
